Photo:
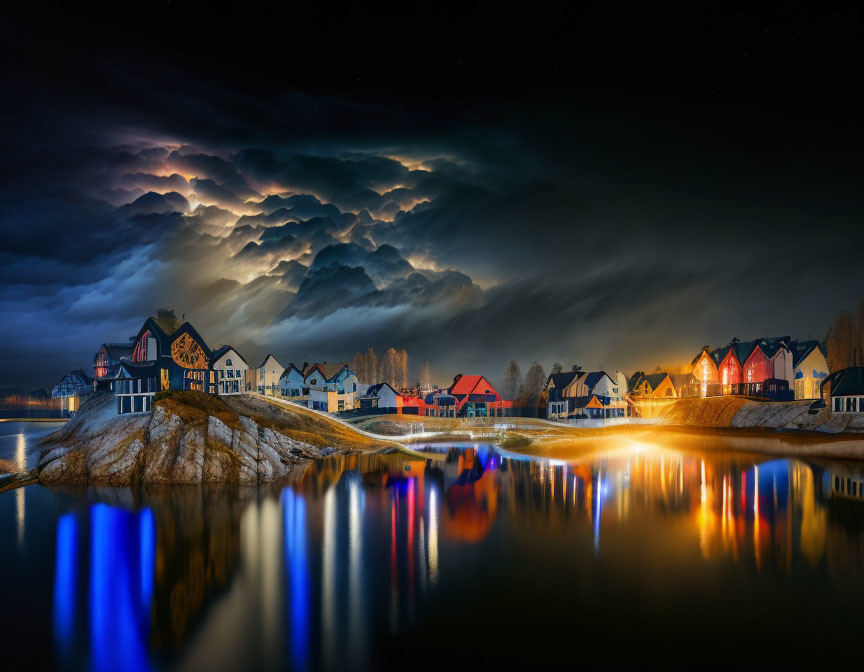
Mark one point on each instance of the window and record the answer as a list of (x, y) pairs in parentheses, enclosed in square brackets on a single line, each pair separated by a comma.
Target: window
[(230, 373), (236, 373), (228, 362)]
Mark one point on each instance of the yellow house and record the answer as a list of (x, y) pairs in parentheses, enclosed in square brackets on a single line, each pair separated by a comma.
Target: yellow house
[(651, 393)]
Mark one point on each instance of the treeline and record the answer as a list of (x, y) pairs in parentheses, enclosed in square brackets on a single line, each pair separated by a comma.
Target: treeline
[(524, 391), (845, 340), (391, 367)]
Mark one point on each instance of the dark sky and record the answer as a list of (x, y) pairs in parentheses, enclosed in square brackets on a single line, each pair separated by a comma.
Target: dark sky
[(601, 187)]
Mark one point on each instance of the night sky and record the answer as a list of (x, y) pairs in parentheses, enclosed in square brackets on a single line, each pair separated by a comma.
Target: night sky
[(607, 188)]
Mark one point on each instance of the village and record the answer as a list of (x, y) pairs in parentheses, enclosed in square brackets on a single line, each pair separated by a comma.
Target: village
[(173, 356)]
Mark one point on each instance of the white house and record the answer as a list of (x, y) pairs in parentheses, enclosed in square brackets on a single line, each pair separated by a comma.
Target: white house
[(810, 369), (292, 381), (843, 390), (380, 395), (232, 371), (267, 376)]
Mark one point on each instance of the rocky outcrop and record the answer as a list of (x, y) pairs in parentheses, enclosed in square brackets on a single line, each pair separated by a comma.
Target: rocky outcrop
[(173, 444)]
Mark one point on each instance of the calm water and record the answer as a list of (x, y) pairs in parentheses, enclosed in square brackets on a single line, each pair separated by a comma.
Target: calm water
[(677, 553)]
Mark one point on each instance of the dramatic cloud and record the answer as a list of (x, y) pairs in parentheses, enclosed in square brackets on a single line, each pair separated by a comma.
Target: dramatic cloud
[(616, 230)]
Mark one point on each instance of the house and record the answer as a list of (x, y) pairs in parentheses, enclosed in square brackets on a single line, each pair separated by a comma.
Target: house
[(159, 362), (387, 398), (651, 386), (381, 395), (105, 363), (70, 389), (843, 390), (741, 367), (267, 376), (566, 395), (331, 387), (810, 368), (232, 371), (469, 396), (292, 380)]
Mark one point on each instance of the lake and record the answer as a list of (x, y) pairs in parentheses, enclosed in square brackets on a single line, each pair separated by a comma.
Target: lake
[(465, 556)]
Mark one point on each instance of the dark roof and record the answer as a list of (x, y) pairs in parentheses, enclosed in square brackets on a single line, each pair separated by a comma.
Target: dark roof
[(291, 365), (563, 379), (137, 369), (655, 379), (375, 389), (593, 378), (264, 361), (222, 350), (83, 376), (846, 382), (635, 380), (116, 350)]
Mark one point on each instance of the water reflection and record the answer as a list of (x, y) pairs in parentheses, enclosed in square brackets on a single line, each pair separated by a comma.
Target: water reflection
[(362, 549)]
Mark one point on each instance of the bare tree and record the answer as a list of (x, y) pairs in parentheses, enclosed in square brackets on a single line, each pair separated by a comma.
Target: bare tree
[(512, 387), (358, 366), (534, 381), (425, 376), (841, 342), (373, 372), (557, 368), (402, 369)]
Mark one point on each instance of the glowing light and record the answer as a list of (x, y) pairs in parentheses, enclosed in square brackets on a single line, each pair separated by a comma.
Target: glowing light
[(294, 516), (65, 572), (433, 536), (328, 578), (20, 502)]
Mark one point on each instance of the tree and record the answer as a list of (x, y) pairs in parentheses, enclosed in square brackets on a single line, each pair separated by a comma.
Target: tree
[(534, 381), (358, 366), (373, 372), (167, 320), (512, 386), (402, 369), (425, 376), (575, 367), (841, 342), (557, 368)]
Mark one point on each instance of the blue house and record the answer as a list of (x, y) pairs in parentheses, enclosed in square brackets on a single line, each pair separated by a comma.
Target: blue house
[(161, 361)]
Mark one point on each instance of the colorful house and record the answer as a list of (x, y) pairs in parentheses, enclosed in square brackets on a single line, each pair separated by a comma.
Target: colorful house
[(810, 368), (469, 396), (267, 376), (652, 385), (569, 395), (161, 361), (70, 389), (232, 371), (843, 390), (106, 360), (331, 387), (742, 367)]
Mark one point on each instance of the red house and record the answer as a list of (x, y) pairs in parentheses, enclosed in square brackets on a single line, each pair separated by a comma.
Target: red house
[(468, 397)]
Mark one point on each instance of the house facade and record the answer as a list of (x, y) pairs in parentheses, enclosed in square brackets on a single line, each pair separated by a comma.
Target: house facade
[(71, 388), (380, 395), (761, 367), (160, 362), (568, 395), (267, 376), (232, 371), (843, 390), (470, 396), (105, 363), (810, 368), (292, 381), (331, 387)]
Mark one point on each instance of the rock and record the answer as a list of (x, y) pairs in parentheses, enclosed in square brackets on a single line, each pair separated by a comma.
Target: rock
[(165, 447)]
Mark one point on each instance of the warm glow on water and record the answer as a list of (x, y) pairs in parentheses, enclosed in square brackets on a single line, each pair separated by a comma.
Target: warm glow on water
[(472, 554)]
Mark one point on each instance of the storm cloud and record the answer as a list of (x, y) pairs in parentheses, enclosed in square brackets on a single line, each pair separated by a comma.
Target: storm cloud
[(617, 225)]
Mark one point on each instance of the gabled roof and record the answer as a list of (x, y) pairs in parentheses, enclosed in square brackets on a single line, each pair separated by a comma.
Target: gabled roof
[(375, 390), (846, 382), (264, 361), (116, 350), (656, 379), (83, 376), (291, 365), (635, 380), (222, 351), (329, 371), (467, 384), (563, 379), (594, 377), (136, 369), (802, 349)]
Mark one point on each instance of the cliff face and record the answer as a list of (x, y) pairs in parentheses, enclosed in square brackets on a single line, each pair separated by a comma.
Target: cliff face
[(184, 440), (743, 413)]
